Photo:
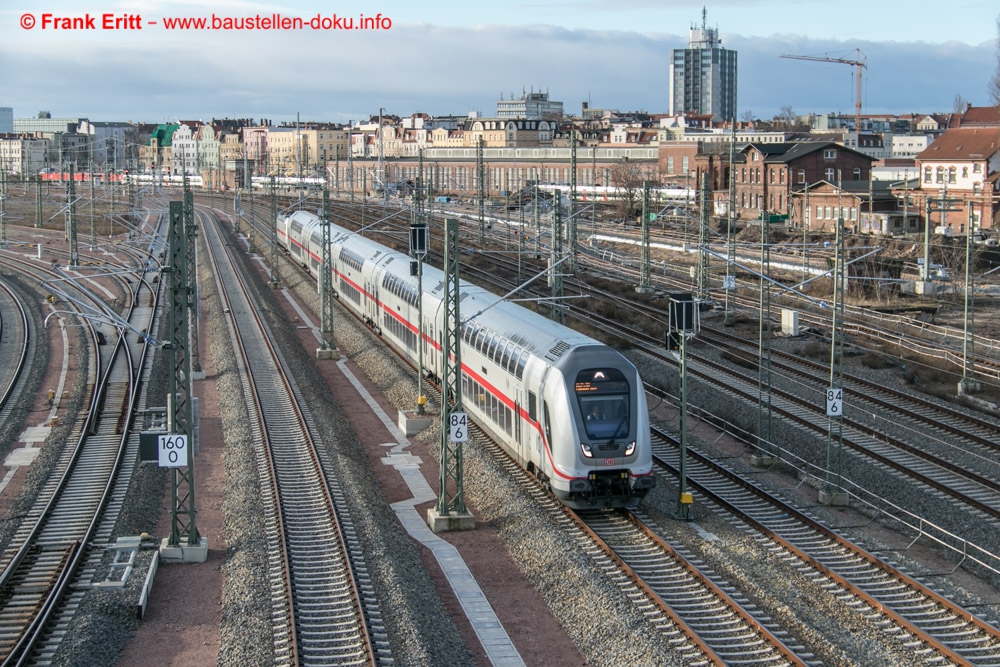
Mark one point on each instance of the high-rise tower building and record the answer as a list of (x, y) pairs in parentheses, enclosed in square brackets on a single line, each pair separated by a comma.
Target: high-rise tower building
[(703, 76)]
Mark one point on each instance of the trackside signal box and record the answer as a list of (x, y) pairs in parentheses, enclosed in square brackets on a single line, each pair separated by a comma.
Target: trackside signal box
[(682, 317), (418, 239)]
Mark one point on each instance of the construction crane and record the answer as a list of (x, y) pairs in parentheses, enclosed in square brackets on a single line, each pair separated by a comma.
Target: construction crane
[(860, 63)]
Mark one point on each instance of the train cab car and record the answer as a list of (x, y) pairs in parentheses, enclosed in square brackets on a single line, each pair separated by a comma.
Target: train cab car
[(567, 408), (595, 417)]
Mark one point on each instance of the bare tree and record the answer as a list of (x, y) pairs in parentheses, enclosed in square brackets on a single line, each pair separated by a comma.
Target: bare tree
[(786, 117), (958, 106), (627, 178), (747, 116), (994, 87)]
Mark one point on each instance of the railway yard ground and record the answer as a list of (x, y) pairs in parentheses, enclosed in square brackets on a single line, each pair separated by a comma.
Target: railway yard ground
[(553, 603)]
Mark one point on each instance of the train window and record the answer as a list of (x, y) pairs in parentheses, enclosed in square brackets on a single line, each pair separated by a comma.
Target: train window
[(548, 428), (532, 410), (521, 363), (510, 359), (603, 397), (503, 354), (493, 347)]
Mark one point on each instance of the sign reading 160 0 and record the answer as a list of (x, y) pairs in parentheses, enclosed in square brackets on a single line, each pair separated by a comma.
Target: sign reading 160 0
[(458, 425), (172, 450)]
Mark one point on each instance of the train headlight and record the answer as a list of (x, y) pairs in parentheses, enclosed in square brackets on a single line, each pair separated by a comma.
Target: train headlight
[(587, 451), (630, 448)]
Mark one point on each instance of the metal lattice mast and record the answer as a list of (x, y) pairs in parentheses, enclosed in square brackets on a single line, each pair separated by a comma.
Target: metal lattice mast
[(137, 215), (251, 221), (114, 197), (418, 246), (3, 205), (38, 200), (451, 491), (273, 225), (644, 274), (191, 260), (706, 212), (832, 492), (133, 206), (555, 275), (93, 195), (350, 161), (763, 455), (730, 280), (183, 529), (520, 236), (968, 382), (326, 282), (480, 167), (336, 173), (74, 255), (571, 234)]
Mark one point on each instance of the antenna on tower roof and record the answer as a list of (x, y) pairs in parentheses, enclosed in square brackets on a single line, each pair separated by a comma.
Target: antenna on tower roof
[(704, 17)]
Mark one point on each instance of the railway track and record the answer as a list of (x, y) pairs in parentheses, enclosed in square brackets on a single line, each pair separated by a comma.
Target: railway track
[(939, 629), (325, 612), (51, 559), (963, 430), (973, 644), (726, 626), (17, 344)]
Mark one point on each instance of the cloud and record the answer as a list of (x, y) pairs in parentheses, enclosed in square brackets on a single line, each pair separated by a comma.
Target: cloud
[(440, 70)]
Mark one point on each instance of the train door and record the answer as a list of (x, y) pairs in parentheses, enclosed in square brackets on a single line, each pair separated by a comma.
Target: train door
[(429, 357), (517, 425), (372, 304)]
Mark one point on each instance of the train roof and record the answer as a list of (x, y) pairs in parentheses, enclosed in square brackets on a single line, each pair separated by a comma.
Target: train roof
[(477, 305)]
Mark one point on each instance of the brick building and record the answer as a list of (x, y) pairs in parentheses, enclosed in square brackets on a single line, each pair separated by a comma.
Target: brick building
[(768, 175)]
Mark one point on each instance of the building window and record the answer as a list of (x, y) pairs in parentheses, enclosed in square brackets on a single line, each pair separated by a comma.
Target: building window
[(819, 212), (802, 175), (951, 174), (781, 176), (927, 175), (829, 175), (965, 172), (670, 164), (977, 168), (830, 154), (829, 213), (857, 173), (940, 175), (854, 213)]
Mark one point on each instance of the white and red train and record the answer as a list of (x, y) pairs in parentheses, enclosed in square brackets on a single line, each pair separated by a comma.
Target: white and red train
[(569, 409)]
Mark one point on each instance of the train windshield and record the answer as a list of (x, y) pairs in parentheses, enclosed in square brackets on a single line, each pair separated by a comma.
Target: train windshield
[(603, 396)]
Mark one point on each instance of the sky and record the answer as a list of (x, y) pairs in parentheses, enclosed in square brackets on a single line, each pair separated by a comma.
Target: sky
[(452, 57)]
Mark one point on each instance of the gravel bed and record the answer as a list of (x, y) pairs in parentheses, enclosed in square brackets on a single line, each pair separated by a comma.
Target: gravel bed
[(56, 442), (605, 625), (874, 482), (835, 632)]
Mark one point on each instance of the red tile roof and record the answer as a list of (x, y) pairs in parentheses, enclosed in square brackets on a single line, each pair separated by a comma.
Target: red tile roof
[(963, 144)]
